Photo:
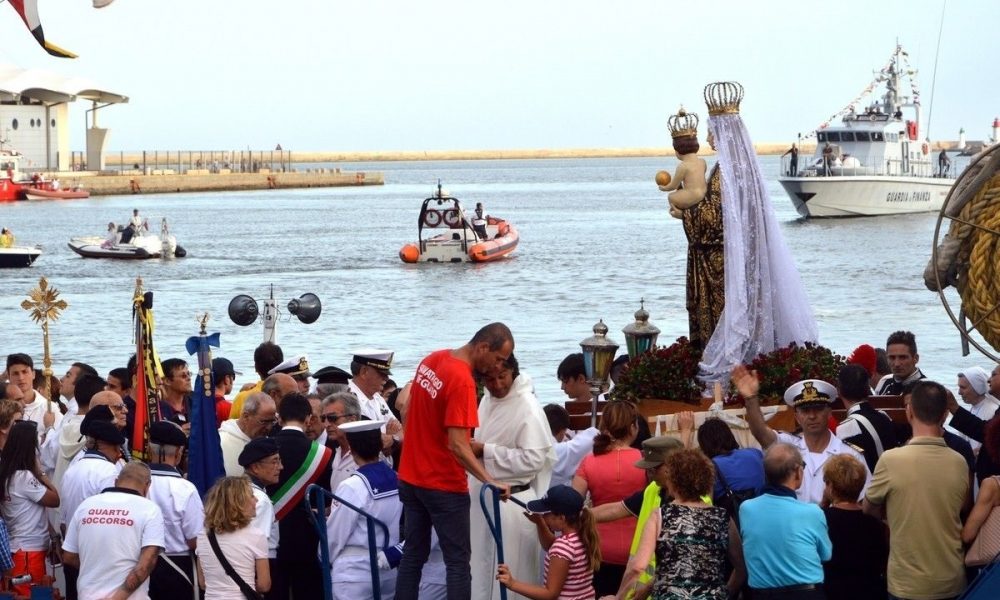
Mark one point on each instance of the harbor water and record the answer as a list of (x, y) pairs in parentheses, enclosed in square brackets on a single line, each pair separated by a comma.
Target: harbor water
[(595, 238)]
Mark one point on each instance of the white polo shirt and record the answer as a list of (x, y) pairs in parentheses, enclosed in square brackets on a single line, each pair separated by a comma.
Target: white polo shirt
[(109, 531), (178, 500), (812, 486)]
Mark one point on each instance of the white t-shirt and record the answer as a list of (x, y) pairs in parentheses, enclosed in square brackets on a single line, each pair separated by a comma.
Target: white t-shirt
[(86, 477), (264, 520), (241, 548), (25, 517), (183, 512), (109, 531)]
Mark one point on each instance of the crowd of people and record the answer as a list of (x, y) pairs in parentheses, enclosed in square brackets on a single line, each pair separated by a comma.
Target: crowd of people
[(864, 508)]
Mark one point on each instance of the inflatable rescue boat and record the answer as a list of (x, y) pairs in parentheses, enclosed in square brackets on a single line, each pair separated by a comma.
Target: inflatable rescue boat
[(444, 234)]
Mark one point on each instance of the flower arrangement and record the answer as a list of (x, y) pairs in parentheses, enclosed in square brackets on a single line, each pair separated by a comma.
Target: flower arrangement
[(668, 373), (782, 367)]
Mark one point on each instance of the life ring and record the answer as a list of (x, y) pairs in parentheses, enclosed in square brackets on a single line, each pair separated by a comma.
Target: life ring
[(451, 217), (925, 149), (432, 218)]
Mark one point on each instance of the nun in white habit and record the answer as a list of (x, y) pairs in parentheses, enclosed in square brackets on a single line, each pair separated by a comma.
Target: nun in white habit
[(515, 445)]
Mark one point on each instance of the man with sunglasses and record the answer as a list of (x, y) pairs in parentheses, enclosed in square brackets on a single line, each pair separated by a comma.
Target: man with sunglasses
[(337, 409), (258, 417)]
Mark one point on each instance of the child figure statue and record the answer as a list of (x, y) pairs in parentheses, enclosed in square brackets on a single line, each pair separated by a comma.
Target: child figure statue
[(688, 185)]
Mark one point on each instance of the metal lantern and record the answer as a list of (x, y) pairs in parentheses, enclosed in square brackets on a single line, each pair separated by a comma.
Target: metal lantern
[(598, 356), (640, 337)]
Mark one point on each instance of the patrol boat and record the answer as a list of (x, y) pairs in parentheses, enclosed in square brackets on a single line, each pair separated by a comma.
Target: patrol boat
[(459, 242), (872, 163)]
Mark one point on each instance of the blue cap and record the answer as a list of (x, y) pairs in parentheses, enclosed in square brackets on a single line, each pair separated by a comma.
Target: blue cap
[(560, 500)]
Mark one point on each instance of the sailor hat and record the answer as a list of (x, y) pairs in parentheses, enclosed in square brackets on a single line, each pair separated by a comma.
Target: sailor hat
[(101, 412), (166, 433), (105, 432), (361, 426), (810, 391), (331, 375), (257, 449), (380, 360), (297, 367)]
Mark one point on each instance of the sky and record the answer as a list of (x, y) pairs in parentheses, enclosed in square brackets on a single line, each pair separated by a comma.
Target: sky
[(380, 75)]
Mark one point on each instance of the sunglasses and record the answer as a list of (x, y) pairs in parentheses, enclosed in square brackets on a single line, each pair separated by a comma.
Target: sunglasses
[(334, 417)]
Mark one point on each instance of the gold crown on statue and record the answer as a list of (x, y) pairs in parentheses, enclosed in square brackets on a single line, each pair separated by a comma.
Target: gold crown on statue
[(683, 124), (723, 97)]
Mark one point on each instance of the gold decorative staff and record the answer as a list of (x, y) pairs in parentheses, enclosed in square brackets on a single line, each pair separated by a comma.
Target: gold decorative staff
[(44, 305)]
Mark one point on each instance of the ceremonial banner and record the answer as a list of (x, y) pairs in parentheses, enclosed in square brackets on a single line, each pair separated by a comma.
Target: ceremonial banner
[(148, 373), (204, 448)]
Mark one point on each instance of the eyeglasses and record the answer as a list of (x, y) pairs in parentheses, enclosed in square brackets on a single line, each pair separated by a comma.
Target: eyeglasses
[(270, 421), (334, 417), (117, 407)]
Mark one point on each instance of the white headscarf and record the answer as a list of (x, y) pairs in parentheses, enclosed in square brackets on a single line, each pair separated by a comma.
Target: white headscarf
[(766, 305), (978, 379)]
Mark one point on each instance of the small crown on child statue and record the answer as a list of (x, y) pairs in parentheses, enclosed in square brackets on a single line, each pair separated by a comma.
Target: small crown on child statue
[(683, 124), (723, 97)]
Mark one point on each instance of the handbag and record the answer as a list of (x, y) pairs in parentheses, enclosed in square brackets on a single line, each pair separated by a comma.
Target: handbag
[(731, 499), (248, 592), (986, 546)]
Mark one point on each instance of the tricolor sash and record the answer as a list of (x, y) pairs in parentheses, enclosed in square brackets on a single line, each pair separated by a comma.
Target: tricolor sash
[(292, 491)]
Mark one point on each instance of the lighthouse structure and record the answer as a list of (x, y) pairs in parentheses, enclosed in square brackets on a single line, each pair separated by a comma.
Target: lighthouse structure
[(961, 139)]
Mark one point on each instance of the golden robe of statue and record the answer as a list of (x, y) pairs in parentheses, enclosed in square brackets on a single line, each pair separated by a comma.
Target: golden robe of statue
[(706, 286)]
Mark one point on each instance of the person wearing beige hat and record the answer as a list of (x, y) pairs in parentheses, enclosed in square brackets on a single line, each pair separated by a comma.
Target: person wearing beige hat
[(810, 399)]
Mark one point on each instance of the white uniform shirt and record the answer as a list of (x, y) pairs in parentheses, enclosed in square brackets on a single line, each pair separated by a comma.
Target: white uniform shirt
[(25, 517), (264, 519), (375, 408), (109, 531), (347, 533), (341, 467), (183, 512), (84, 478), (812, 486)]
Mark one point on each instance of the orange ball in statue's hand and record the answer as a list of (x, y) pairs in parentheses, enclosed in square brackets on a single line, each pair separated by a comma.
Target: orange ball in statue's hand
[(662, 178)]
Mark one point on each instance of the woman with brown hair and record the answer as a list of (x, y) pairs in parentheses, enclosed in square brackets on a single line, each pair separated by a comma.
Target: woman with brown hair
[(610, 475), (697, 546), (856, 571), (230, 506)]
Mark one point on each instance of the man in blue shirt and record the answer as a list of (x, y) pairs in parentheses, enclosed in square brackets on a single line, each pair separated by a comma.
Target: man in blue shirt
[(785, 541)]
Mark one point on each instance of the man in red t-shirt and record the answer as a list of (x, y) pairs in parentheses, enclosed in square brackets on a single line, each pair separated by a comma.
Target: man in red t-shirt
[(433, 485)]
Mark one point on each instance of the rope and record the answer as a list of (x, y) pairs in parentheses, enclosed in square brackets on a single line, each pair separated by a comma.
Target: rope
[(980, 287)]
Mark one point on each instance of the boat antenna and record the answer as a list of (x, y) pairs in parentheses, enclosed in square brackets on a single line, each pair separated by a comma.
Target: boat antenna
[(439, 188), (937, 53)]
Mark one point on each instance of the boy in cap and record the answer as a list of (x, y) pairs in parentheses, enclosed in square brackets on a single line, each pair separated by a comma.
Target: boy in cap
[(810, 399), (262, 464), (374, 489), (174, 575), (225, 376)]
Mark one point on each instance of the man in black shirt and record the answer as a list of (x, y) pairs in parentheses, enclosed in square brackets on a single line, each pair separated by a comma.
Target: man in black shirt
[(865, 427)]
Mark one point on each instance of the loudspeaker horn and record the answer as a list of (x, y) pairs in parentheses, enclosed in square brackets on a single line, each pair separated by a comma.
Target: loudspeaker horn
[(243, 310), (307, 307)]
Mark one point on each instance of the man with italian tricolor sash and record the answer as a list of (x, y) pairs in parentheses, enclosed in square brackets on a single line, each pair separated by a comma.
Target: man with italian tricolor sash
[(296, 570)]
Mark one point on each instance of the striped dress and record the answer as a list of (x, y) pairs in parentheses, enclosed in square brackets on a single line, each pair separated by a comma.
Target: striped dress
[(578, 586)]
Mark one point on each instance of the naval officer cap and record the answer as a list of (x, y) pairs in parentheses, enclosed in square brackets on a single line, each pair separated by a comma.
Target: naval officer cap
[(331, 375), (297, 367), (166, 433), (810, 392), (380, 360), (257, 449)]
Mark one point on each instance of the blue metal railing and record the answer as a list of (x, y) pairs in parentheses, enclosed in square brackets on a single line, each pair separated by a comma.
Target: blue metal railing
[(494, 525), (316, 500)]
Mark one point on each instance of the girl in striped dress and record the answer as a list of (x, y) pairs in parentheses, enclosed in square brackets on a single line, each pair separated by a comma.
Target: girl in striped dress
[(571, 558)]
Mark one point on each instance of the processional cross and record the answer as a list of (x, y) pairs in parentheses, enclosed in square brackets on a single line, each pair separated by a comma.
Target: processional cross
[(44, 306)]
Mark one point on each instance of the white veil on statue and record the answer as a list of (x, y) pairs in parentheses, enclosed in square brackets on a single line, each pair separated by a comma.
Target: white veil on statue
[(766, 306)]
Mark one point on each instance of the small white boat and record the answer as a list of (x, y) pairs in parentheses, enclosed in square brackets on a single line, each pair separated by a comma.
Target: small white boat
[(141, 246), (18, 257), (875, 163), (34, 193)]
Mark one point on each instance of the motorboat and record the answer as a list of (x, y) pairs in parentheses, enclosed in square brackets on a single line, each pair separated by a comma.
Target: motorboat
[(38, 193), (142, 245), (11, 182), (19, 257), (873, 162), (445, 235)]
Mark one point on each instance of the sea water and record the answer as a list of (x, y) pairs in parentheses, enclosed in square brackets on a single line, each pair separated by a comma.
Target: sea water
[(595, 239)]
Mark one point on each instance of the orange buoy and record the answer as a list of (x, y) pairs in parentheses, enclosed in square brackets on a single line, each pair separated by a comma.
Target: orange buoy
[(662, 178), (409, 253)]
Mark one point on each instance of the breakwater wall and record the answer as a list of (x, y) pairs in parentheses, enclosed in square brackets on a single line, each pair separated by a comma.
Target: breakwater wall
[(198, 181)]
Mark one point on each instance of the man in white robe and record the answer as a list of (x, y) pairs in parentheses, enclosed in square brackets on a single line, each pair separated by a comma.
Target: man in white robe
[(515, 445)]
